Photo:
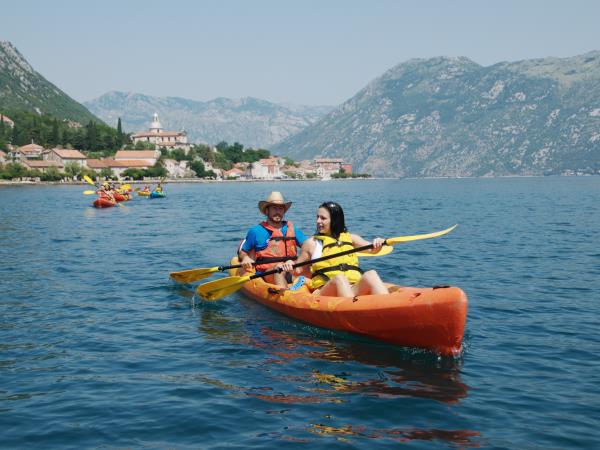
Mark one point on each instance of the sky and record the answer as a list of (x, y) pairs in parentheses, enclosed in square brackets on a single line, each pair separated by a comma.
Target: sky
[(307, 52)]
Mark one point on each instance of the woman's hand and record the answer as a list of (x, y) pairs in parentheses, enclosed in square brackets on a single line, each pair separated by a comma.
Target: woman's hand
[(377, 244)]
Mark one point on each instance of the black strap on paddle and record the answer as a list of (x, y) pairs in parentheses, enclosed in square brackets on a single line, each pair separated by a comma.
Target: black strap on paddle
[(259, 261), (312, 261), (274, 259)]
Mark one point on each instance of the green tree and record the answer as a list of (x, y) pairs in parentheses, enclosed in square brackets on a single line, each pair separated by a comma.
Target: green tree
[(204, 152), (106, 172), (134, 174), (54, 139), (201, 172), (119, 133), (52, 174), (157, 171), (72, 169), (144, 145), (15, 170)]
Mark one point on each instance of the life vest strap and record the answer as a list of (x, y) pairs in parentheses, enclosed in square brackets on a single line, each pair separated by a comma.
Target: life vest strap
[(340, 267), (337, 244)]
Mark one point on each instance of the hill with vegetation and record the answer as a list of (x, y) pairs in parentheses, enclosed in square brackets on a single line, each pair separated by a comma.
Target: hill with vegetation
[(451, 117), (24, 89)]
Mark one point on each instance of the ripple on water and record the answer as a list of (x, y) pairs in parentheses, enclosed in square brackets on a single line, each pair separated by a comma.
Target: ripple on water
[(99, 347)]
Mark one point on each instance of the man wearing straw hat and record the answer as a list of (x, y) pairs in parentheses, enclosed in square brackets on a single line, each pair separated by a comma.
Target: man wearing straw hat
[(272, 241)]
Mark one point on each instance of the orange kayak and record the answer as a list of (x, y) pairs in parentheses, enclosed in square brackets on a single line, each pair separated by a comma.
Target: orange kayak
[(428, 318), (103, 202)]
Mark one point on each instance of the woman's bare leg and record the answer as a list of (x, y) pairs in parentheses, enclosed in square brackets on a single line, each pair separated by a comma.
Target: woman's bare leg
[(370, 283), (338, 286)]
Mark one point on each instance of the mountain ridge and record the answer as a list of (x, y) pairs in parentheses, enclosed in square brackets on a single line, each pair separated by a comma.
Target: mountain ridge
[(251, 121), (449, 116), (22, 88)]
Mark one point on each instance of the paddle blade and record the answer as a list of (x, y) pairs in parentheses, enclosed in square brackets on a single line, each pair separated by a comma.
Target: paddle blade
[(89, 180), (90, 192), (214, 290), (386, 249), (189, 276), (417, 237)]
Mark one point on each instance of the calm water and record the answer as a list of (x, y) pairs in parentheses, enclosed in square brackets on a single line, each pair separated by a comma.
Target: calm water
[(98, 348)]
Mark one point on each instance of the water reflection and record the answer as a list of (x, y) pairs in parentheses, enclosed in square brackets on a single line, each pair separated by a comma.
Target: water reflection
[(400, 372), (465, 438), (334, 370)]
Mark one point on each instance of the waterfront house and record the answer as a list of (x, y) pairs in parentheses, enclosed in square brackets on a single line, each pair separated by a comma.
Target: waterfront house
[(117, 167), (64, 156), (147, 156), (29, 151), (268, 168), (234, 173), (42, 165), (3, 157), (325, 167)]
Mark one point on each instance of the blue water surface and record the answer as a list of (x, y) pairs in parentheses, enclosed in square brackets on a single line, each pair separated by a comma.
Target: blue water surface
[(99, 349)]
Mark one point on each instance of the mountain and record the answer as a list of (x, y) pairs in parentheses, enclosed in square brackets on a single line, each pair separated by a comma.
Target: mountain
[(249, 121), (452, 117), (22, 88)]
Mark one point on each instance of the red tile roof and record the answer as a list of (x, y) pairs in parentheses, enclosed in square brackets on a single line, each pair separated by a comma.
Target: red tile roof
[(37, 164), (136, 154), (30, 148), (69, 154)]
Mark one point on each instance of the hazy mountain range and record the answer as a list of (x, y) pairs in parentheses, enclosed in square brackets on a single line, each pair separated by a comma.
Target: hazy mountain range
[(453, 117), (424, 117), (250, 121)]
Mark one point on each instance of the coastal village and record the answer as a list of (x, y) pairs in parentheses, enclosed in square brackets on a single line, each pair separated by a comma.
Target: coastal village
[(35, 157)]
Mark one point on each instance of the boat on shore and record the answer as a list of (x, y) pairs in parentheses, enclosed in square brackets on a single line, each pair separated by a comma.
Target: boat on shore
[(432, 318)]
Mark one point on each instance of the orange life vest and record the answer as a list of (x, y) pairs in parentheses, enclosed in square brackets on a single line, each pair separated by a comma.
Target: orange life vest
[(279, 247)]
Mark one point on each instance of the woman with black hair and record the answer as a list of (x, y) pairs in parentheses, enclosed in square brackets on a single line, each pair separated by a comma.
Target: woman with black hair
[(341, 276)]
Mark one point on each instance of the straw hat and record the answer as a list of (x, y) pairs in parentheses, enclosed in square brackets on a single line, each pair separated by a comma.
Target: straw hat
[(275, 198)]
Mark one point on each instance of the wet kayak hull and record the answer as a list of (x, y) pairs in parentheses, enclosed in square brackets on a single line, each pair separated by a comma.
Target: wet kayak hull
[(433, 319), (103, 203)]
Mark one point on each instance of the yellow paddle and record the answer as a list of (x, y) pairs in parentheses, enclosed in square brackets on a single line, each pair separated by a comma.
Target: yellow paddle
[(214, 290), (89, 180), (90, 192), (191, 275)]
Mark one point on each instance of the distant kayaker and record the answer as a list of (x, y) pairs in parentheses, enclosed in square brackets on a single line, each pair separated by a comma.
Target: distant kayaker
[(341, 276), (106, 192), (271, 241)]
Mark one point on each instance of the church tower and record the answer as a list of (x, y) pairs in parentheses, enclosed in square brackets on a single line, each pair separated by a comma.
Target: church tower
[(155, 126)]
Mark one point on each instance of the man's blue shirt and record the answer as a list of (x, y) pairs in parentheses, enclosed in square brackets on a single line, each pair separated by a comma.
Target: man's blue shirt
[(258, 237)]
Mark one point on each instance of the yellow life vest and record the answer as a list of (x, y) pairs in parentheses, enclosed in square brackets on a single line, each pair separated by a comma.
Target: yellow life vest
[(323, 271)]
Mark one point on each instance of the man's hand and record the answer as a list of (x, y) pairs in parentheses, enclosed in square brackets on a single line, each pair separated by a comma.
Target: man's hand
[(286, 266)]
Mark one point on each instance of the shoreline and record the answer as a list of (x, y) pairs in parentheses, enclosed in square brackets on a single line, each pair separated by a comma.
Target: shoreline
[(200, 181)]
